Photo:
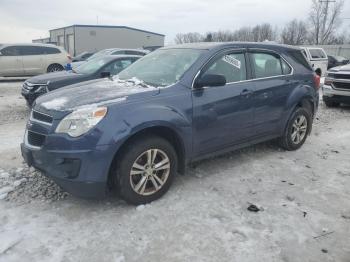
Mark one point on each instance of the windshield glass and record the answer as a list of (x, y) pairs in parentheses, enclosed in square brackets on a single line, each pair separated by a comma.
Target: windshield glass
[(100, 53), (92, 65), (162, 67)]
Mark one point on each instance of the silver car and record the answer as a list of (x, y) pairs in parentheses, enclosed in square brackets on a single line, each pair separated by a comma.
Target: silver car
[(336, 88)]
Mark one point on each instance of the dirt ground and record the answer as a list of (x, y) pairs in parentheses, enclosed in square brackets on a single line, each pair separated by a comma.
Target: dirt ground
[(303, 196)]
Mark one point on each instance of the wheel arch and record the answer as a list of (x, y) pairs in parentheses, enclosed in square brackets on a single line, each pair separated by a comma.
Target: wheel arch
[(164, 131)]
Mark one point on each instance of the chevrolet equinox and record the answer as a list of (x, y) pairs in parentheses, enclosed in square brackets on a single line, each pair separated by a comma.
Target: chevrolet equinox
[(179, 104)]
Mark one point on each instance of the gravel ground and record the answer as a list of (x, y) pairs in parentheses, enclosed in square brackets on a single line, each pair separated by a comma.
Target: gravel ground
[(303, 201)]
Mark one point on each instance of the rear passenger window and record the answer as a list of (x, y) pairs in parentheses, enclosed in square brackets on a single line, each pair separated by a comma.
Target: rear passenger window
[(286, 68), (232, 66), (266, 65)]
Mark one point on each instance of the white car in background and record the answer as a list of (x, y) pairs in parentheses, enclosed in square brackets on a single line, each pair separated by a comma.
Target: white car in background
[(317, 58), (31, 59)]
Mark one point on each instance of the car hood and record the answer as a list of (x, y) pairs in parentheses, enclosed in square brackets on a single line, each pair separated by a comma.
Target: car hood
[(93, 93), (343, 68), (54, 77)]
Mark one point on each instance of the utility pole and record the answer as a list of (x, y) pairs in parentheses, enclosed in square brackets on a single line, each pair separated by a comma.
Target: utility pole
[(325, 11)]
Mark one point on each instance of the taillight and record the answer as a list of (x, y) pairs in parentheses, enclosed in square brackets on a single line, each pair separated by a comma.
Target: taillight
[(69, 57), (317, 81)]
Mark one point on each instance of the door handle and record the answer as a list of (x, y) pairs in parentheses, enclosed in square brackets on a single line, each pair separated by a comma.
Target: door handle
[(247, 92)]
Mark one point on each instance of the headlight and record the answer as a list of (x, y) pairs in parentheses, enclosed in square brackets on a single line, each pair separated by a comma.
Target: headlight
[(81, 121)]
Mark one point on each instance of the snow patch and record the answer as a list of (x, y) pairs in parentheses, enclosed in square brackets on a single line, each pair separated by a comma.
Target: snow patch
[(55, 104)]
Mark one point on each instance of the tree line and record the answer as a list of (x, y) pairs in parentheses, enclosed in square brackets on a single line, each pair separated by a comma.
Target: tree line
[(321, 27)]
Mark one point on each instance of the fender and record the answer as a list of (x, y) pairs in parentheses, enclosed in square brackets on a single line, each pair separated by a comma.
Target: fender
[(155, 115), (300, 93)]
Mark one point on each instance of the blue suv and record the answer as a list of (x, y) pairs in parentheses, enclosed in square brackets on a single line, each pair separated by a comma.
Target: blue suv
[(179, 104)]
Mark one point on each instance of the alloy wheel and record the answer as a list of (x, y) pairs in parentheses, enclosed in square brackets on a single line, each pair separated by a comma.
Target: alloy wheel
[(299, 129), (149, 172)]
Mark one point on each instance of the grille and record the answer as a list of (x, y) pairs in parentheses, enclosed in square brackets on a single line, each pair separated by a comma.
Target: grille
[(42, 117), (341, 85), (35, 139), (341, 76)]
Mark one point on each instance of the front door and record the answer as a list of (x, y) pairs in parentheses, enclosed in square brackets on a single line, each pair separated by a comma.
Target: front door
[(223, 115)]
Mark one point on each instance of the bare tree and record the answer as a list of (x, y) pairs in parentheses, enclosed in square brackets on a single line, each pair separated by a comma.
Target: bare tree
[(294, 33), (191, 37), (324, 17), (263, 32)]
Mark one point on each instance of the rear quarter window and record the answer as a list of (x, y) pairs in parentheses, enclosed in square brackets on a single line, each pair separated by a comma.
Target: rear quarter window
[(50, 50), (300, 58)]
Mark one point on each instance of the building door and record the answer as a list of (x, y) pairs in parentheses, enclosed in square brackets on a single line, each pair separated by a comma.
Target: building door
[(70, 44)]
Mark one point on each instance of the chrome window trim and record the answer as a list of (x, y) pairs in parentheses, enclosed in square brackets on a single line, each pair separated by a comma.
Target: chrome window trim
[(32, 119), (247, 80)]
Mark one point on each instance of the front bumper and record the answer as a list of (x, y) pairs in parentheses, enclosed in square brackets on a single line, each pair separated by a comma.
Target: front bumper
[(335, 95), (83, 173)]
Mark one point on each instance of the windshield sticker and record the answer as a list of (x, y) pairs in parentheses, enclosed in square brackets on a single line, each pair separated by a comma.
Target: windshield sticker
[(232, 61)]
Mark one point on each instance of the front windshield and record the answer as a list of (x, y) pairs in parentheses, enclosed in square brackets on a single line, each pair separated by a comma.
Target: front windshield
[(162, 67), (92, 65)]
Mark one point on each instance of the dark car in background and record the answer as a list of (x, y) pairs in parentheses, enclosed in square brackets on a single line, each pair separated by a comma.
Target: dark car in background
[(99, 67), (334, 61), (336, 88), (176, 105), (112, 51), (82, 57)]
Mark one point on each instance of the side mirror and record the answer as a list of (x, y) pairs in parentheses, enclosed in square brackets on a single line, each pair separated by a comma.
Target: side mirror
[(105, 74), (210, 80)]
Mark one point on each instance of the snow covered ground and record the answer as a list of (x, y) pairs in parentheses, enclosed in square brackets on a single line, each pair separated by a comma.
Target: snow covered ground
[(303, 196)]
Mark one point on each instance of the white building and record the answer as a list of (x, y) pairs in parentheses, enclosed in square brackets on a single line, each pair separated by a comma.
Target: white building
[(79, 38)]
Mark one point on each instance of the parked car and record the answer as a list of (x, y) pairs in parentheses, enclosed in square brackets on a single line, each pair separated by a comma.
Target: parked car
[(317, 58), (31, 59), (113, 51), (334, 61), (170, 108), (82, 57), (99, 67), (336, 88)]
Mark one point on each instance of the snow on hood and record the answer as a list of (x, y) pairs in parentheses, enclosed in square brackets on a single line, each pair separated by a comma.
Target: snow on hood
[(94, 92), (341, 68)]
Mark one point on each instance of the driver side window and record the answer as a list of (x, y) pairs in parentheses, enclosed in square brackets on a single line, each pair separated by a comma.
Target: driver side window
[(232, 66)]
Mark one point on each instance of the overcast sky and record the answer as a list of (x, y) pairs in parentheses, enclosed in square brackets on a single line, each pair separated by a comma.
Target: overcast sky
[(22, 20)]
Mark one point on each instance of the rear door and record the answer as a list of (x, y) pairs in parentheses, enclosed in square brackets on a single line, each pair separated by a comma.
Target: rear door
[(273, 85), (223, 115), (34, 61), (11, 63)]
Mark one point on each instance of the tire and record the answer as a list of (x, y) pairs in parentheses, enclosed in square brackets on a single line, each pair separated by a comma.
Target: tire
[(140, 187), (54, 68), (289, 140), (330, 103)]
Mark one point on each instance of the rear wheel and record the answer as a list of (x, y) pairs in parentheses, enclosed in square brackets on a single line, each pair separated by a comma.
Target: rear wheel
[(54, 68), (298, 127), (145, 170)]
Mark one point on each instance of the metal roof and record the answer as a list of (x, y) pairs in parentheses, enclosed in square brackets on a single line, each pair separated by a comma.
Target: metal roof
[(109, 26)]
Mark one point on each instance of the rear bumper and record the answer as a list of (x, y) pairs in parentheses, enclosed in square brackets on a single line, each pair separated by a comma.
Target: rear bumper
[(82, 173)]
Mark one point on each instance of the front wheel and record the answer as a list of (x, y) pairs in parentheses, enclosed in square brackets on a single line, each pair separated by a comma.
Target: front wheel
[(145, 170), (298, 127)]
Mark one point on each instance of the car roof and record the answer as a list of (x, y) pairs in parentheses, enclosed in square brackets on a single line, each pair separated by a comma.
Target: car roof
[(219, 45), (29, 44), (115, 57), (125, 49)]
